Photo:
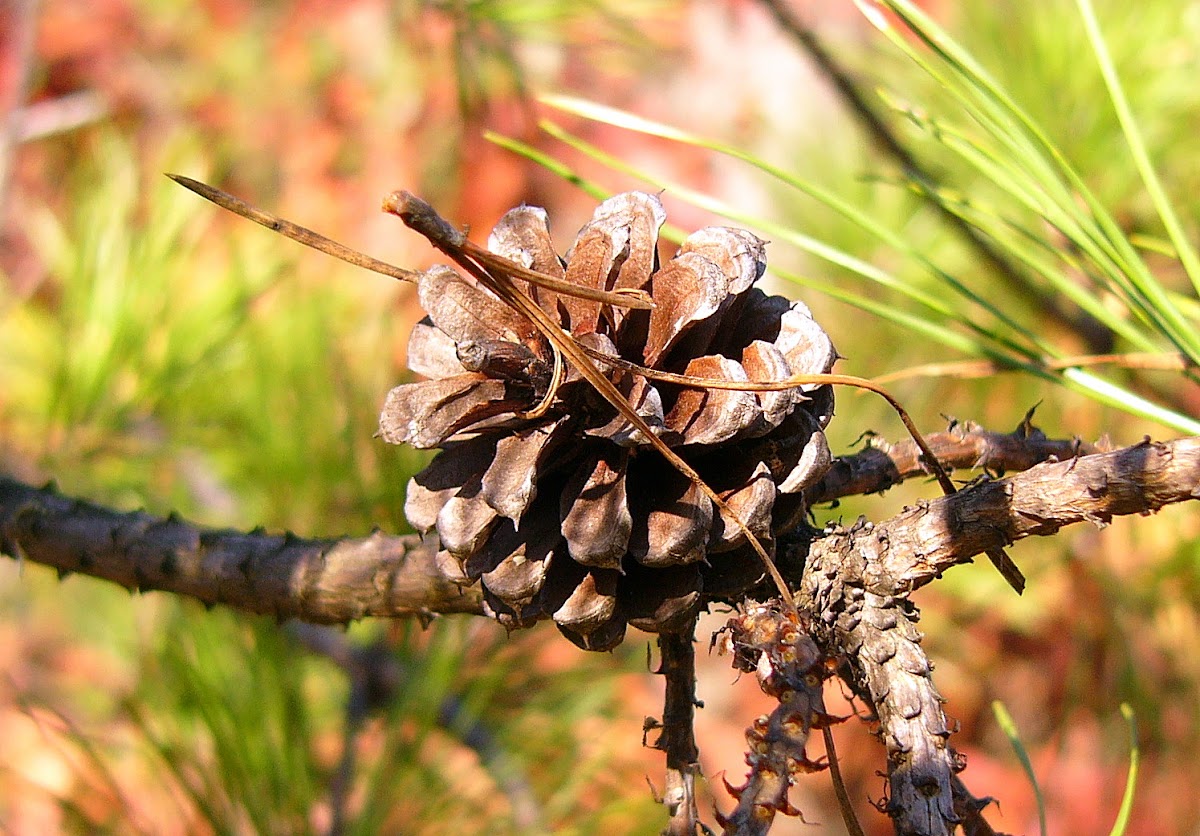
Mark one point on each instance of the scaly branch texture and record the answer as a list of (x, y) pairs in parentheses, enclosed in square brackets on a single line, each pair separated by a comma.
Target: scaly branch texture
[(319, 581), (789, 667), (916, 546), (335, 581), (881, 465)]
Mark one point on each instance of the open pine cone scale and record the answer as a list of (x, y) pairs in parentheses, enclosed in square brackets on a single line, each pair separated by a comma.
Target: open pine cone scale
[(572, 515)]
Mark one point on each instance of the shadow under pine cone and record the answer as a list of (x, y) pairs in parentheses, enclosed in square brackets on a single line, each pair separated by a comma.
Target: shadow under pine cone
[(571, 515)]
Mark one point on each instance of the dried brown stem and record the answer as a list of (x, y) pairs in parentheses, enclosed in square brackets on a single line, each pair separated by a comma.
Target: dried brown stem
[(919, 544), (288, 229), (677, 738), (849, 817), (790, 668)]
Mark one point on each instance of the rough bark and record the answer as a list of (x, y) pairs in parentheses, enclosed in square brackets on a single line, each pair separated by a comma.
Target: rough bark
[(917, 545), (677, 738), (336, 580), (775, 644), (320, 581), (855, 584), (880, 635), (882, 465)]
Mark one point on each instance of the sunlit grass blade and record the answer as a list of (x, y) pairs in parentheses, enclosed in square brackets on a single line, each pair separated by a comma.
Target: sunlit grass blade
[(1089, 384), (1137, 146), (1122, 820), (200, 791), (1057, 267), (1099, 259), (934, 329), (1005, 721), (1026, 150), (1109, 393)]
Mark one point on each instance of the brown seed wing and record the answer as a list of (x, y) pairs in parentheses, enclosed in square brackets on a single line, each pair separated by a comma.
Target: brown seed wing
[(616, 249), (752, 503), (595, 511), (425, 414), (467, 312), (804, 343), (431, 351)]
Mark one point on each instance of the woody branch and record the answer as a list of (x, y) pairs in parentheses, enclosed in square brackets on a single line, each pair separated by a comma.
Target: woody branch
[(339, 580)]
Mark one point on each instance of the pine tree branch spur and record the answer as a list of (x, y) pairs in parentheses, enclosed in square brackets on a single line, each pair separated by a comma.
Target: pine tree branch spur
[(322, 581)]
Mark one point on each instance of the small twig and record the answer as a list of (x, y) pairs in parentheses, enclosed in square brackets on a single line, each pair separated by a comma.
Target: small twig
[(916, 546), (839, 786), (790, 668), (294, 231), (880, 634), (677, 738), (968, 369), (881, 465)]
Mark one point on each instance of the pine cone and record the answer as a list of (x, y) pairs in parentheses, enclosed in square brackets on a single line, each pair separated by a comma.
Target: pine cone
[(572, 515)]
